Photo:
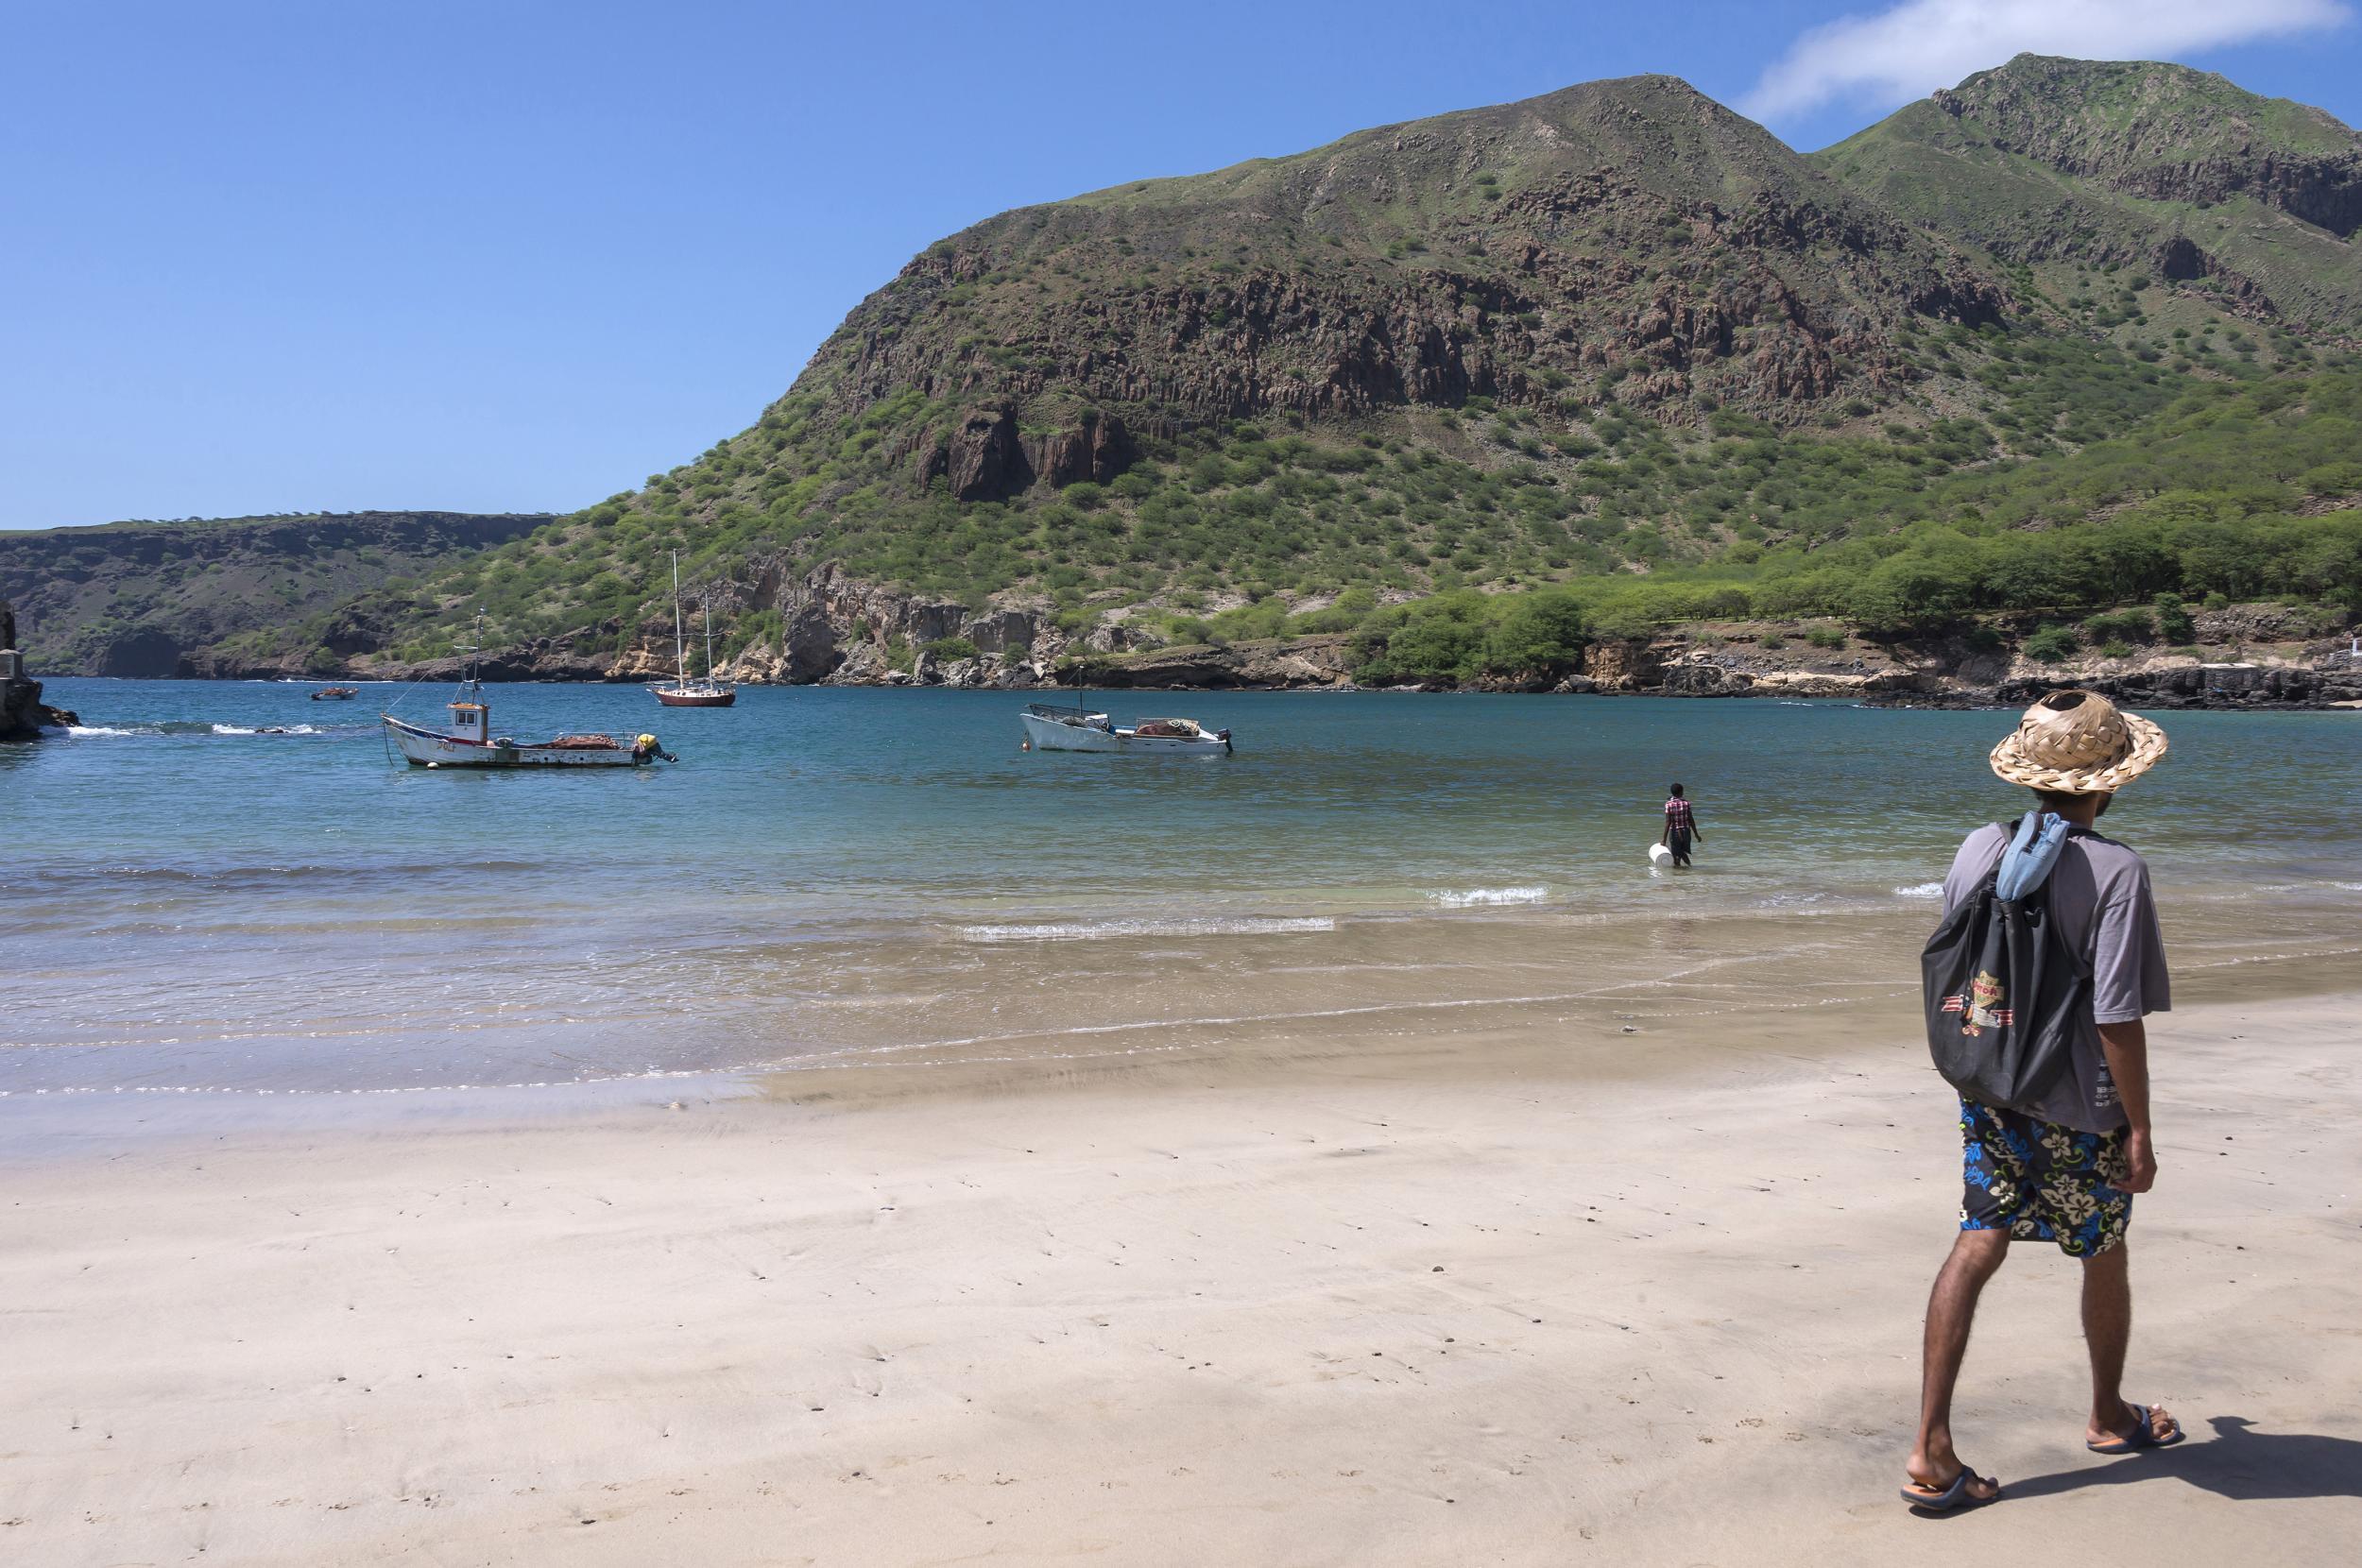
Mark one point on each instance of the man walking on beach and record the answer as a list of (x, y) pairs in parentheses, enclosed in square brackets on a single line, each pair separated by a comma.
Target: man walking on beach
[(1681, 826), (2038, 1181)]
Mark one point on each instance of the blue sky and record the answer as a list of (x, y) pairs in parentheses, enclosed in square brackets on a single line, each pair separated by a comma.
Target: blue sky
[(518, 256)]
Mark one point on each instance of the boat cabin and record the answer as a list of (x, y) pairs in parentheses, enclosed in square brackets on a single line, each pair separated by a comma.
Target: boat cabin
[(468, 721)]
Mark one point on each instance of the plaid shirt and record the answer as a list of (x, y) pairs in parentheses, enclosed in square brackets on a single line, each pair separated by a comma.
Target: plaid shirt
[(1677, 816)]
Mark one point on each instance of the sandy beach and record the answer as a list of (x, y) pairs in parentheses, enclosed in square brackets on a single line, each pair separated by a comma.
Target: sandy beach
[(1521, 1289)]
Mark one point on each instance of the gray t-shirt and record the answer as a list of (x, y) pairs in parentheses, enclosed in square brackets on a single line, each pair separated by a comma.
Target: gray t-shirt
[(2099, 899)]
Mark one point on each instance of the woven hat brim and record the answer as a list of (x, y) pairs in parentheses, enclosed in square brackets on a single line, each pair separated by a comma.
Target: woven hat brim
[(2148, 744)]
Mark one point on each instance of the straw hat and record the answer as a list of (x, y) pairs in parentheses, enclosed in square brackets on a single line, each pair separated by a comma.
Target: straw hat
[(2077, 742)]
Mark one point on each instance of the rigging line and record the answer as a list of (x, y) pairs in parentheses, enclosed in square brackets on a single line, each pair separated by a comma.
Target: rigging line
[(402, 695)]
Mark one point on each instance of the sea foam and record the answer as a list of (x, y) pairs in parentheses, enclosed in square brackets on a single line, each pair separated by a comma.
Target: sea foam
[(1473, 897), (1091, 931)]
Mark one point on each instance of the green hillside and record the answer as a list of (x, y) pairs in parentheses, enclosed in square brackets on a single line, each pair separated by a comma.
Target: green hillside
[(179, 598)]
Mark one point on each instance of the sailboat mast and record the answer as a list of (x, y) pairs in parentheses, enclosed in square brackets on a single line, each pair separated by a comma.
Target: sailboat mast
[(708, 605), (681, 654)]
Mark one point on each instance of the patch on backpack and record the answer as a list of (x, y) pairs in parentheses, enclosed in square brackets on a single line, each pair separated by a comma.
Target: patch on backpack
[(1980, 1009)]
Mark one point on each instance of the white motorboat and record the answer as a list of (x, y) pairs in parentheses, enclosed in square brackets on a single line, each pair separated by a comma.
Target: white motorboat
[(469, 741), (1050, 728)]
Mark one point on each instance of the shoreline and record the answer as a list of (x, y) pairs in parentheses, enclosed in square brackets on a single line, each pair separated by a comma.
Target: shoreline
[(1500, 1292), (2245, 695), (954, 1002)]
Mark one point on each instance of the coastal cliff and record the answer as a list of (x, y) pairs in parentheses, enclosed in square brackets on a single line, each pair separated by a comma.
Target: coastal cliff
[(227, 596), (828, 627)]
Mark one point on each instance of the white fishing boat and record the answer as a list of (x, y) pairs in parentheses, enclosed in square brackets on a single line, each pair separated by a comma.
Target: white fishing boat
[(1050, 728), (469, 741)]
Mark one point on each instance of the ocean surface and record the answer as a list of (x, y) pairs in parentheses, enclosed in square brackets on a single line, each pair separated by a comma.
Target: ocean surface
[(228, 888)]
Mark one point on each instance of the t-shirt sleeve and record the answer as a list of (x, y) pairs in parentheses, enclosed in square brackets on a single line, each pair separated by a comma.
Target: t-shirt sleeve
[(1976, 855), (2128, 954)]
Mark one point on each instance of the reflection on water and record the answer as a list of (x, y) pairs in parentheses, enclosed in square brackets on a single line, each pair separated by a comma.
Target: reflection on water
[(193, 902)]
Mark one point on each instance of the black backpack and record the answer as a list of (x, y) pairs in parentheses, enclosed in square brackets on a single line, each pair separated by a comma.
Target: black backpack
[(2008, 1010)]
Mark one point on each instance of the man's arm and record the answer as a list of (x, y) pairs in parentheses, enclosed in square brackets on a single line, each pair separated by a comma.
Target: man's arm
[(2126, 1047), (1695, 831)]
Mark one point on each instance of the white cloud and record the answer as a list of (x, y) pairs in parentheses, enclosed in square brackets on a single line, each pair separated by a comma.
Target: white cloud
[(1920, 45)]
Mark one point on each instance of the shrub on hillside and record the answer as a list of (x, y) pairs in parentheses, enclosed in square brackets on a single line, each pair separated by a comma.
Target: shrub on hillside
[(2137, 624), (2052, 644)]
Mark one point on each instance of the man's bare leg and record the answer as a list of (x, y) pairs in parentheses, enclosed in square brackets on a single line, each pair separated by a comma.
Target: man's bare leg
[(2108, 1330), (1951, 1308)]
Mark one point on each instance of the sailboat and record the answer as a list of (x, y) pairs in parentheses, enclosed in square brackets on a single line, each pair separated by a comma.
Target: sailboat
[(684, 693)]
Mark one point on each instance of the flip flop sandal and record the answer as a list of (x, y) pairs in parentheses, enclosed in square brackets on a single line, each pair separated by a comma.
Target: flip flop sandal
[(1954, 1497), (2142, 1436)]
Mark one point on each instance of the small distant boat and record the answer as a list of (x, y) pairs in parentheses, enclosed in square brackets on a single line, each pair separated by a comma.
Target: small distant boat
[(685, 692), (469, 742), (337, 693), (1049, 727)]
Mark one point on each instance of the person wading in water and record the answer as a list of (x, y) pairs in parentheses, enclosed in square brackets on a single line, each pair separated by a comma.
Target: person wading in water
[(2031, 1179), (1681, 826)]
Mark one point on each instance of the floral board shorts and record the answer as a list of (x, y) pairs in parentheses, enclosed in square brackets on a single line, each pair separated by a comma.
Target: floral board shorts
[(2042, 1182)]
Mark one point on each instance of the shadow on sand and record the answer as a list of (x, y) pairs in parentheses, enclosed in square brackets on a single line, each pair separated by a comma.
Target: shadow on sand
[(2240, 1463)]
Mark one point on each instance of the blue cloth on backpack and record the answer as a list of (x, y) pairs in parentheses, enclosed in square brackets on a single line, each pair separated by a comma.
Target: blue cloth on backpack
[(2026, 865)]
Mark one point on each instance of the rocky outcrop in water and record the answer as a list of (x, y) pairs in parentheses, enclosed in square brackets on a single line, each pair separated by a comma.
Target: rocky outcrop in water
[(2334, 682), (23, 715)]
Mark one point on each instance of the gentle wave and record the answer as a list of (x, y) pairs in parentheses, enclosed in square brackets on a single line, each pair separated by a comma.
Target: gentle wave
[(197, 726), (1090, 930), (45, 878), (1921, 889), (1472, 897)]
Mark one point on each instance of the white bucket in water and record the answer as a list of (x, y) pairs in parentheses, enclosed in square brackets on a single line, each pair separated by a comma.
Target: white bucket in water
[(1660, 855)]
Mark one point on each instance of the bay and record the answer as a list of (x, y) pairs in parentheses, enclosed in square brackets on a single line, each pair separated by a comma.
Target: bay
[(196, 905)]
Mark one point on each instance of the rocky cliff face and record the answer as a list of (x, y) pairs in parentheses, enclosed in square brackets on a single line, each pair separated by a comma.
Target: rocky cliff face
[(835, 629)]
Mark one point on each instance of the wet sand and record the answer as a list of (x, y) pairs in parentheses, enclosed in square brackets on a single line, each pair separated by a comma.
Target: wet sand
[(1500, 1282)]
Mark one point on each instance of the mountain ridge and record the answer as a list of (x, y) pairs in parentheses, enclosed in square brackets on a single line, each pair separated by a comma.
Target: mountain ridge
[(2130, 162)]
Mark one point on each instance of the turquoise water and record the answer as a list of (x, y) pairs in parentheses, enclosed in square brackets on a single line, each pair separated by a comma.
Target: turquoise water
[(193, 905)]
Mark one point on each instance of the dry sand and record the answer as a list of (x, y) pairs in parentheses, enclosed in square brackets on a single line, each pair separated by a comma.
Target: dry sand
[(1522, 1290)]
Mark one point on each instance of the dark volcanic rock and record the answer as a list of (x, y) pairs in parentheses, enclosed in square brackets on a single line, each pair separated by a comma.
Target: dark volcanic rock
[(984, 460), (22, 713), (2176, 687), (142, 653)]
